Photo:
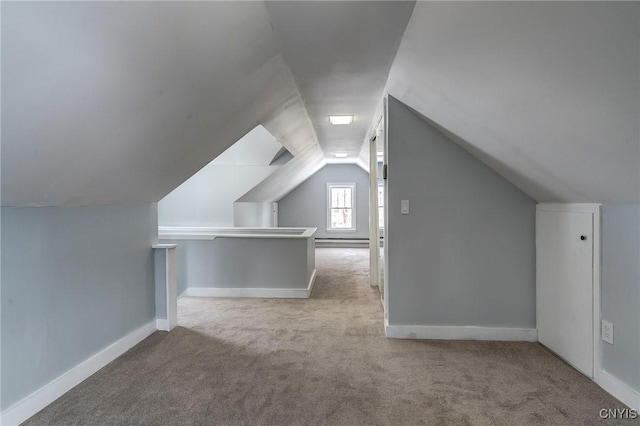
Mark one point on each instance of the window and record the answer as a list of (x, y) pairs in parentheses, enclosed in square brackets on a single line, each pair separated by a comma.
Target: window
[(341, 203), (381, 205)]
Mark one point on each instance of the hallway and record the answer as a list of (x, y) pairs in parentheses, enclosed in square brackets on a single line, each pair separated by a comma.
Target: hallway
[(323, 360)]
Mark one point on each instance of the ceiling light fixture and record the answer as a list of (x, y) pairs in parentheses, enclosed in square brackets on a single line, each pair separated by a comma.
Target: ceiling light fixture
[(340, 154), (340, 119)]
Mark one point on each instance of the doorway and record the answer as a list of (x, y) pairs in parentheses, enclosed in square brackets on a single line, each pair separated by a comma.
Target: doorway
[(377, 197)]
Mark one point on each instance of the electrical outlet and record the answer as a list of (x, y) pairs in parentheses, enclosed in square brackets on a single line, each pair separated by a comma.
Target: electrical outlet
[(607, 332), (404, 206)]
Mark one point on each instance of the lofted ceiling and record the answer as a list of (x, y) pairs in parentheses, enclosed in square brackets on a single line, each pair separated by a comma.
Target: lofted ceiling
[(340, 53), (546, 93), (256, 148), (112, 102)]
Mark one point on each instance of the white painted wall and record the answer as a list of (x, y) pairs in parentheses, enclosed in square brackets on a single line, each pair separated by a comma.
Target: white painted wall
[(258, 147), (254, 215), (207, 198), (288, 177)]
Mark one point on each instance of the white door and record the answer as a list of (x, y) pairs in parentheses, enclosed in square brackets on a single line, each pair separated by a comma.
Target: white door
[(564, 292)]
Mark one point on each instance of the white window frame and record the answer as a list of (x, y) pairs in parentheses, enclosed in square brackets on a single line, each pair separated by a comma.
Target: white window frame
[(352, 186)]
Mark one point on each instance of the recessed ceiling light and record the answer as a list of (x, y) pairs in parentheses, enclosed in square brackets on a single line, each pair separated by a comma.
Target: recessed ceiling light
[(340, 154), (340, 119)]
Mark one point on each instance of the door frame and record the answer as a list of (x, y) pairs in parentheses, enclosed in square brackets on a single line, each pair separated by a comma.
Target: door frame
[(596, 262), (374, 231)]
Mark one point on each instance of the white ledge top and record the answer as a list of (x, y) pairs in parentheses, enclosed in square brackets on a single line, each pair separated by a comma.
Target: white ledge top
[(202, 233), (164, 246)]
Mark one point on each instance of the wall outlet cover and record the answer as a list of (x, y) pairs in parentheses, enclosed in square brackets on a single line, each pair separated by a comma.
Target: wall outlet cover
[(607, 332), (404, 207)]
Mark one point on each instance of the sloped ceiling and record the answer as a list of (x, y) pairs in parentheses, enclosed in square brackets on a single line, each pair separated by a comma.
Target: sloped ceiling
[(111, 102), (546, 93), (340, 53), (108, 102), (286, 178), (256, 148)]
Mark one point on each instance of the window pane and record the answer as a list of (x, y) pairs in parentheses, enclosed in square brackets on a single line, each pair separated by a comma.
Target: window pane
[(341, 218), (334, 197), (380, 196), (381, 217), (340, 197)]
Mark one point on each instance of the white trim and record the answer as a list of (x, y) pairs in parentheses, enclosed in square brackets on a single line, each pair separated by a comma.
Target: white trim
[(440, 332), (267, 293), (594, 209), (385, 183), (170, 287), (164, 246), (620, 390), (352, 186), (342, 243), (570, 207), (374, 230), (597, 304), (53, 390), (312, 281), (211, 233), (162, 324)]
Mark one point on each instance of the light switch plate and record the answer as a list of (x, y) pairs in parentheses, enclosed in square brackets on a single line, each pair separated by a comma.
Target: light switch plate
[(404, 207), (607, 332)]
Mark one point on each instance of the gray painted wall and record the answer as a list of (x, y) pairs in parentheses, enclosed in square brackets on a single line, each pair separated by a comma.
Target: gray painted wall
[(465, 255), (74, 280), (160, 279), (306, 206), (242, 263), (620, 291)]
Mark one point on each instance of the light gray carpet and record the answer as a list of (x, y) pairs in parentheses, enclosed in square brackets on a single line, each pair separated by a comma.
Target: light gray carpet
[(324, 361)]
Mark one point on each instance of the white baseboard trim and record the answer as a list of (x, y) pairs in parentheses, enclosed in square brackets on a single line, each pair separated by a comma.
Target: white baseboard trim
[(162, 324), (30, 405), (437, 332), (312, 281), (265, 293), (620, 390)]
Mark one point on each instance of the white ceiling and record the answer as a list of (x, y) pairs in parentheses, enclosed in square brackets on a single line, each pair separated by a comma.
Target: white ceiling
[(108, 102), (286, 178), (340, 53), (256, 148), (111, 102), (546, 93)]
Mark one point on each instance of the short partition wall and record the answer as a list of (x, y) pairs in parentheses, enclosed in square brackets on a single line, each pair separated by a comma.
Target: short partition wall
[(243, 262)]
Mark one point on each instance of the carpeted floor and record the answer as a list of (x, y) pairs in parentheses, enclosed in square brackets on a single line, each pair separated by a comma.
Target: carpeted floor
[(324, 361)]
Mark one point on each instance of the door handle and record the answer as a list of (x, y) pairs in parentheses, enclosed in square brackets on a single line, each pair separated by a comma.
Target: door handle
[(583, 237)]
